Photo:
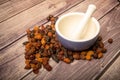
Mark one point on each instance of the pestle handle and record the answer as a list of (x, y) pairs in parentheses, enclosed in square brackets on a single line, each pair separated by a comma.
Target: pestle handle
[(81, 28), (89, 12)]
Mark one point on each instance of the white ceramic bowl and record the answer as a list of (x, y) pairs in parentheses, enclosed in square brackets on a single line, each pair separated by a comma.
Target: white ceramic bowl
[(67, 21)]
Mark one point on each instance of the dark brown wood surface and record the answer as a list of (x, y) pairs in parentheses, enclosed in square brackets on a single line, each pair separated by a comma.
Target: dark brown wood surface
[(18, 15)]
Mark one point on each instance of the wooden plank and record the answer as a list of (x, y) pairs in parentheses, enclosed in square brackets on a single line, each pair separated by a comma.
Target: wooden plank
[(13, 7), (12, 53), (3, 1), (10, 72), (14, 27), (113, 73), (60, 69)]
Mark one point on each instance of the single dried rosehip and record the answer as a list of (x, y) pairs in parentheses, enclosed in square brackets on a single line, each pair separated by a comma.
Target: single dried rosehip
[(60, 57), (76, 56), (100, 55), (99, 38), (36, 71), (95, 56), (90, 52), (32, 57), (67, 60), (27, 66), (104, 50), (82, 57), (48, 67), (88, 57), (27, 57), (101, 45), (34, 61), (110, 40)]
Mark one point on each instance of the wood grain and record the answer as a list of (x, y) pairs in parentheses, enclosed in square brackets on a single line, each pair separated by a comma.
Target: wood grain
[(3, 1), (12, 70), (113, 72), (13, 7), (103, 7), (14, 27), (9, 54), (76, 70)]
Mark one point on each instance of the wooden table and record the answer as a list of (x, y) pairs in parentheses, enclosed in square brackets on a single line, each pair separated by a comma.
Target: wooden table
[(18, 15)]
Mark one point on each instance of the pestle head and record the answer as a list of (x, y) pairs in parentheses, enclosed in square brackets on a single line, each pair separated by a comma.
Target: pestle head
[(92, 6)]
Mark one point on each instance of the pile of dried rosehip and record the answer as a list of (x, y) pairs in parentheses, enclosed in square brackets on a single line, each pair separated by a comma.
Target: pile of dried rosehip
[(42, 45)]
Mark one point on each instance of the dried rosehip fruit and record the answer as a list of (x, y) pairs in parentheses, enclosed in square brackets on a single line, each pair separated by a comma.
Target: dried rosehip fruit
[(67, 60), (32, 57), (95, 55), (48, 67), (83, 53), (27, 66), (71, 58), (34, 62), (101, 45), (82, 57), (36, 71), (100, 55), (26, 57), (99, 38), (90, 53), (110, 40), (99, 50), (24, 43), (88, 57), (49, 17), (76, 56), (60, 57), (104, 50)]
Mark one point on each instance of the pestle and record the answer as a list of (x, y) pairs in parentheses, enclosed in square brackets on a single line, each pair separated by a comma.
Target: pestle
[(81, 28)]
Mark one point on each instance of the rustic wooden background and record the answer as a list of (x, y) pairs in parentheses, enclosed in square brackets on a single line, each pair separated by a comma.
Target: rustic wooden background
[(18, 15)]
